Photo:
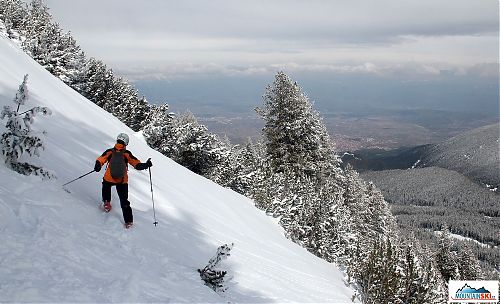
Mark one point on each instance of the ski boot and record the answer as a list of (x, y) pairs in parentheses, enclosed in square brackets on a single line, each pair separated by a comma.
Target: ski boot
[(106, 206)]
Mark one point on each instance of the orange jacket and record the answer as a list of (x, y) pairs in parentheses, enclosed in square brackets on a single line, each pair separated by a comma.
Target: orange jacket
[(129, 159)]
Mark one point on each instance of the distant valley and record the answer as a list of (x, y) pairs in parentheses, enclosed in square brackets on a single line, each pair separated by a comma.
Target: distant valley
[(360, 111), (375, 129)]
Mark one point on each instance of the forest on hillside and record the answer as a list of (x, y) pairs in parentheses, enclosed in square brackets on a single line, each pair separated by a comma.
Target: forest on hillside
[(424, 199), (474, 154)]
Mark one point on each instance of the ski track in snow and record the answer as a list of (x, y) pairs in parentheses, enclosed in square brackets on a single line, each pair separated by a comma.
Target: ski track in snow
[(57, 246)]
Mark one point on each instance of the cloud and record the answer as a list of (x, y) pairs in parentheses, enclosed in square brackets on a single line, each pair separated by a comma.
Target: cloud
[(354, 21), (197, 36), (482, 70), (404, 72)]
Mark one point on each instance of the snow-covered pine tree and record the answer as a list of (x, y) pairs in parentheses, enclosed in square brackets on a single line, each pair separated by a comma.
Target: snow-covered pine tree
[(13, 14), (334, 214), (40, 31), (296, 138), (3, 29), (336, 235), (19, 137), (155, 129), (297, 208), (378, 275), (226, 171), (114, 94), (190, 144), (446, 258), (69, 60), (468, 265), (243, 169), (45, 48), (370, 216), (44, 40), (268, 189), (410, 274), (138, 111), (433, 281), (355, 199), (420, 279), (96, 81), (123, 101), (380, 219), (110, 92)]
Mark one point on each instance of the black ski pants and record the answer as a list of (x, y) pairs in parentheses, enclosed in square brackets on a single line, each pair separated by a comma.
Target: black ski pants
[(122, 190)]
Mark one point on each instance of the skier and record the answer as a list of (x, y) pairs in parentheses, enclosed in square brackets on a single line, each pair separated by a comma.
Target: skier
[(116, 175)]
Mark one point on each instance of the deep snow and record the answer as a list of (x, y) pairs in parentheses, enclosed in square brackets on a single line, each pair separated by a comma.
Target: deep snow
[(60, 247)]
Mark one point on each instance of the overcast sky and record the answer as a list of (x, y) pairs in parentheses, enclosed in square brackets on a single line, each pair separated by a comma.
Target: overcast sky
[(163, 38)]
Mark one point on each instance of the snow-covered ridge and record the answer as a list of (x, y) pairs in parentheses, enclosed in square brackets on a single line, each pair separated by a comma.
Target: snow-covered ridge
[(59, 247)]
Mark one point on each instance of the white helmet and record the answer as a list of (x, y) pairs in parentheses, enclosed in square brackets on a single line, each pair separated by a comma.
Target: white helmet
[(122, 137)]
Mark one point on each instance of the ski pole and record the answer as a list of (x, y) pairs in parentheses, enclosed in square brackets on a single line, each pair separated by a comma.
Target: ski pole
[(152, 198), (78, 178)]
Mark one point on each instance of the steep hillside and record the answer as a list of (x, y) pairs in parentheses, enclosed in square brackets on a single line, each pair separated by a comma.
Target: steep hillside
[(434, 186), (59, 247), (474, 154), (471, 209)]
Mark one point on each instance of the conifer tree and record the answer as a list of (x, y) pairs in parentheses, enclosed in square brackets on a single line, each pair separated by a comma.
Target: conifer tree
[(96, 81), (331, 212), (227, 171), (468, 266), (335, 233), (355, 199), (39, 31), (19, 137), (243, 170), (296, 139), (190, 144), (380, 219), (155, 130), (268, 187), (122, 100), (45, 48), (446, 258), (435, 285), (297, 209), (13, 14), (69, 61), (420, 279), (378, 275)]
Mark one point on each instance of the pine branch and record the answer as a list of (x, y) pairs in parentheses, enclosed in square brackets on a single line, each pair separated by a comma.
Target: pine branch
[(215, 278)]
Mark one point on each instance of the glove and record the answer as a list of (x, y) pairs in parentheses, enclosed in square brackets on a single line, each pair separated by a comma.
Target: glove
[(97, 166), (144, 166)]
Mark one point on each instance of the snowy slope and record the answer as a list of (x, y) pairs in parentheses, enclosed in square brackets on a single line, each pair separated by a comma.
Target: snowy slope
[(59, 247)]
